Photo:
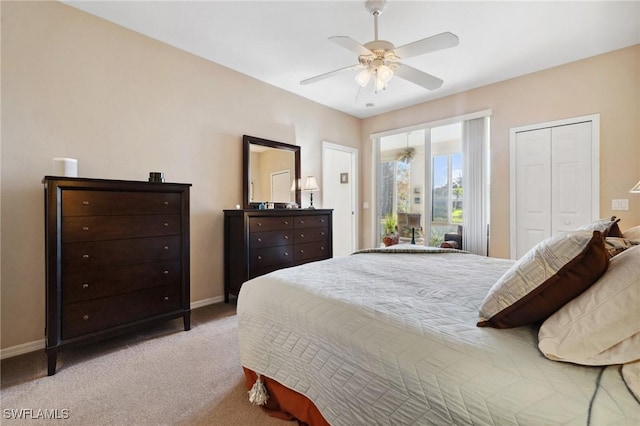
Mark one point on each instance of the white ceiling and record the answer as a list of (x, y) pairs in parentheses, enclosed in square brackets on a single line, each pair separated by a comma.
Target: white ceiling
[(284, 42)]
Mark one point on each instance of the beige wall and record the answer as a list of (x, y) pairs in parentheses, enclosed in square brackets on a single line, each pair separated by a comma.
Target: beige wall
[(77, 86), (607, 84)]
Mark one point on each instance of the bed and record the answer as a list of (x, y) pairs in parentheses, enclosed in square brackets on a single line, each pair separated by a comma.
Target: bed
[(390, 337)]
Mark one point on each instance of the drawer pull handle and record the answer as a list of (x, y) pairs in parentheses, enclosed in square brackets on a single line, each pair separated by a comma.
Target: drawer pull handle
[(302, 221), (322, 248), (165, 272), (166, 298), (166, 247), (301, 235), (301, 251), (85, 285), (259, 223), (85, 256), (286, 237), (85, 203), (85, 317), (85, 228), (259, 257), (166, 224), (321, 220), (286, 222), (166, 203), (286, 253), (322, 233), (259, 240)]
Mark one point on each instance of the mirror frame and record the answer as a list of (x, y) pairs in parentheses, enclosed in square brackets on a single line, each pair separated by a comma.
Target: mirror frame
[(247, 141)]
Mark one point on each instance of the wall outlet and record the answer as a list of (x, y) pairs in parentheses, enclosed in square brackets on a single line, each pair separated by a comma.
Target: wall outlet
[(620, 204)]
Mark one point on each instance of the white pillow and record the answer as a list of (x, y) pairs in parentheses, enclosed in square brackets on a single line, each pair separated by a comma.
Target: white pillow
[(632, 234), (602, 325)]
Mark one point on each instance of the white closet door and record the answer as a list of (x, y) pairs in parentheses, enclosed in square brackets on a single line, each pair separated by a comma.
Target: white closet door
[(570, 177), (533, 188)]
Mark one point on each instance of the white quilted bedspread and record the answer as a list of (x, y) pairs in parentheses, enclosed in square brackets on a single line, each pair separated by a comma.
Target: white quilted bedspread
[(391, 339)]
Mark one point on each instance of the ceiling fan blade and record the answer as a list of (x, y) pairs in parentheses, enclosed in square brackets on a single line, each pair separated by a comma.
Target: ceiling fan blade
[(418, 77), (329, 74), (430, 44), (350, 44)]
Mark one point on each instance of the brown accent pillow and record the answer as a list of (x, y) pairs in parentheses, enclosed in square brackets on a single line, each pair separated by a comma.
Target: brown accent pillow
[(608, 227), (614, 230), (543, 280)]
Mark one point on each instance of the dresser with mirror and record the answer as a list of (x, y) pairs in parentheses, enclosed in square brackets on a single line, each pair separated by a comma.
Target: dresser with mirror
[(259, 240)]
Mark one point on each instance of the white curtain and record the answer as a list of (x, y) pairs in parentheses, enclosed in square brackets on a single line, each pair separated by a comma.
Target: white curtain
[(474, 193)]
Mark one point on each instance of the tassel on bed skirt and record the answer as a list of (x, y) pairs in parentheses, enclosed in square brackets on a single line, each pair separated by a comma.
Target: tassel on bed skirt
[(258, 394)]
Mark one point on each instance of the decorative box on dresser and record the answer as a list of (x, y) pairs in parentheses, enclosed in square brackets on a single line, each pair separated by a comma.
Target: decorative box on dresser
[(117, 258), (260, 241)]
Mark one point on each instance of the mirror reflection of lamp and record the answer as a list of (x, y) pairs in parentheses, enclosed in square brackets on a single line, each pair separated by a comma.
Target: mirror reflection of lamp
[(311, 186)]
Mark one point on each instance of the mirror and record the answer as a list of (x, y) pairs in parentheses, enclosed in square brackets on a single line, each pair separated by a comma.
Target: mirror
[(270, 170)]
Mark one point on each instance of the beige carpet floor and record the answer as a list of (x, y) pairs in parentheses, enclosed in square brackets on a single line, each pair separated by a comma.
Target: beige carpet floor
[(162, 376)]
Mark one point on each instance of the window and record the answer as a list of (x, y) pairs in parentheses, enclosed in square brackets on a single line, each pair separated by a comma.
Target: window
[(401, 179), (446, 193), (421, 181)]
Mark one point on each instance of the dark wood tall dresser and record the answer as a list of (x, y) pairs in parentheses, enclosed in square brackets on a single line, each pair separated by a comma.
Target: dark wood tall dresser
[(117, 258), (260, 241)]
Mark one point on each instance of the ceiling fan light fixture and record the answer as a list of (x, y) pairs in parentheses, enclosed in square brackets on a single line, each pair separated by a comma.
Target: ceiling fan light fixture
[(363, 77), (379, 60), (384, 73)]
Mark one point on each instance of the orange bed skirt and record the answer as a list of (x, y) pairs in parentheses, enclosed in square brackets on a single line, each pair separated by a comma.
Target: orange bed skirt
[(287, 404)]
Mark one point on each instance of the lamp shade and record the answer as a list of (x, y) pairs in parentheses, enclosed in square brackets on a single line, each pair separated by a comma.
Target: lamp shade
[(311, 184), (636, 188), (295, 184)]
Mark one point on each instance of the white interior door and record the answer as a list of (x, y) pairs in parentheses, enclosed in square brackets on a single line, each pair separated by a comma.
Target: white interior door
[(281, 186), (339, 184), (554, 180), (571, 177), (533, 188)]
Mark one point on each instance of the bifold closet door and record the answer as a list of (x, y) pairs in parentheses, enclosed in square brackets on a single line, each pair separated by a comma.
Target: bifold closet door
[(570, 177), (553, 182), (533, 188)]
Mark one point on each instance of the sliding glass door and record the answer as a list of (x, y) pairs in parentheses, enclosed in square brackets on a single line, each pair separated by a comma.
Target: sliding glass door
[(446, 182), (401, 172), (420, 185)]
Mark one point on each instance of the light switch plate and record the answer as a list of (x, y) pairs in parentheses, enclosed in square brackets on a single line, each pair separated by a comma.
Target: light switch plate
[(620, 204)]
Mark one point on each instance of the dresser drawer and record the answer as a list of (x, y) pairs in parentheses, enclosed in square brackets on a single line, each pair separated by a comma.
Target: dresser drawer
[(308, 251), (93, 284), (99, 314), (100, 254), (95, 228), (94, 203), (266, 257), (270, 223), (270, 239), (312, 221), (307, 235)]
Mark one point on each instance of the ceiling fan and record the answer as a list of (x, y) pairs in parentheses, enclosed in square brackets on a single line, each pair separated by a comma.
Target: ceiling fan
[(379, 60)]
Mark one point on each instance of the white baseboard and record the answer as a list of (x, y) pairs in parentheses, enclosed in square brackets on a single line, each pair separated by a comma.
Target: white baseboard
[(38, 345), (24, 348), (205, 302)]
